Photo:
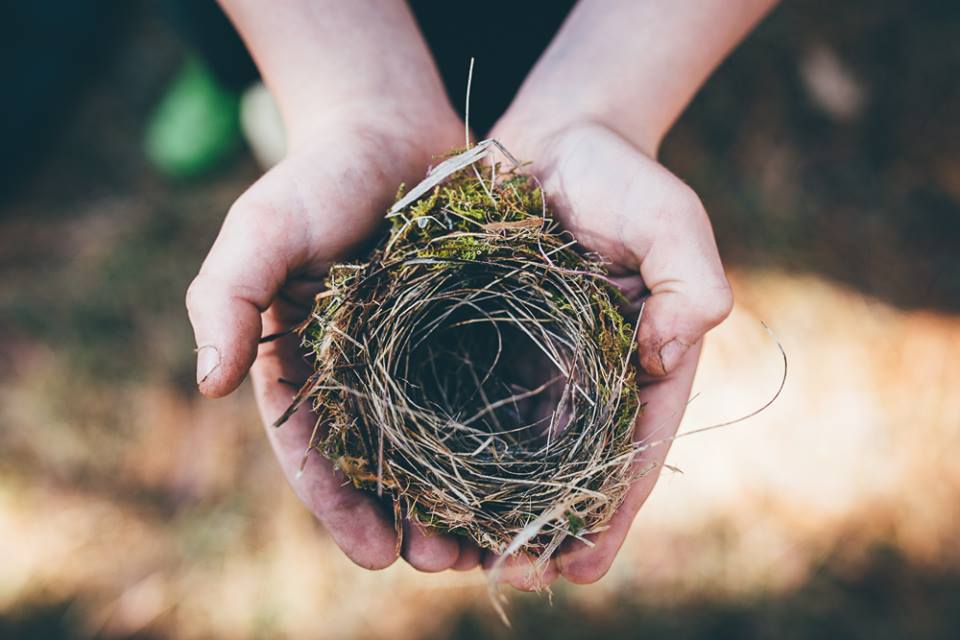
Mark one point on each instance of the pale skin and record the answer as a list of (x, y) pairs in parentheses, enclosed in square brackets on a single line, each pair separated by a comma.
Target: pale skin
[(364, 111)]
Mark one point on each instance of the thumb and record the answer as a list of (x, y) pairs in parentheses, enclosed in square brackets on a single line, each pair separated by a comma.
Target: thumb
[(256, 249), (311, 209), (689, 293), (629, 208)]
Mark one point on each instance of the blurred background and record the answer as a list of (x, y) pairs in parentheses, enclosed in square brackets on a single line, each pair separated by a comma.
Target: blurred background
[(827, 149)]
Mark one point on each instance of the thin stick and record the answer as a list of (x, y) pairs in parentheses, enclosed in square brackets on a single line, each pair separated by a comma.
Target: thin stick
[(466, 108)]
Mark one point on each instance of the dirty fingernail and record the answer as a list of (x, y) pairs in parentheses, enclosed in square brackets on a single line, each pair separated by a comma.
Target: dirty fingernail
[(671, 353), (208, 359)]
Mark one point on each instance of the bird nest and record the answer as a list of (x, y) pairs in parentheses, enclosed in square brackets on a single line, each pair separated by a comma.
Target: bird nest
[(475, 367)]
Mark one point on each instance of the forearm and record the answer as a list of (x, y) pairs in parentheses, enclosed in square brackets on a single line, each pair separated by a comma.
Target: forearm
[(632, 65), (324, 57)]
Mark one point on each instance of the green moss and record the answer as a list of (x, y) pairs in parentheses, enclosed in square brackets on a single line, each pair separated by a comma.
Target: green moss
[(575, 523)]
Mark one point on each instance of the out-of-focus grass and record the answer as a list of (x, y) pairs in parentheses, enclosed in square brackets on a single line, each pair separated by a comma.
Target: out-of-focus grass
[(130, 507)]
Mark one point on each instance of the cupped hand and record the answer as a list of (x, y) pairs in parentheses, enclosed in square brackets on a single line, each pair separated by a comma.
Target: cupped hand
[(319, 205), (325, 200), (652, 228)]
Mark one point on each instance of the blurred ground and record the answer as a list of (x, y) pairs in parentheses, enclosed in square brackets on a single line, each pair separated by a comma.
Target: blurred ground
[(826, 150)]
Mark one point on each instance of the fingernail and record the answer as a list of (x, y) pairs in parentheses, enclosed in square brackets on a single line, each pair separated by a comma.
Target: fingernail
[(208, 359), (671, 353)]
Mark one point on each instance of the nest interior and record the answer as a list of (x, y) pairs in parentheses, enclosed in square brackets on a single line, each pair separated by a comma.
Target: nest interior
[(475, 369)]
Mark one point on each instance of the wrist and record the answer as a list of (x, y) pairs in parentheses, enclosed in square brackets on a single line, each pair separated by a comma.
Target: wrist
[(530, 124), (402, 117), (631, 66), (328, 61), (536, 135)]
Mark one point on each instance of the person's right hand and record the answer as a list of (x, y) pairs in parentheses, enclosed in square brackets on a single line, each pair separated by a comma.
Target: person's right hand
[(317, 206)]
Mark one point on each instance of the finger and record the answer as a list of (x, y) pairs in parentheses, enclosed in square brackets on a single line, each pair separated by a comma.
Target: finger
[(427, 550), (665, 399), (469, 557), (521, 571), (689, 291), (257, 248), (354, 519), (676, 255)]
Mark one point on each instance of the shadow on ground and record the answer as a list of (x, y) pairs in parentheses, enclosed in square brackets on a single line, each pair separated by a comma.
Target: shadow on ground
[(885, 598), (888, 598)]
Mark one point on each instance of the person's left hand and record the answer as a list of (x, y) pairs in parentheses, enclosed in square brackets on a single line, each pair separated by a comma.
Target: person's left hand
[(652, 228)]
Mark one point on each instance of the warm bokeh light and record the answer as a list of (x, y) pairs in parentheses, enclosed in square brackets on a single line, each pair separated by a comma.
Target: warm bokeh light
[(183, 521)]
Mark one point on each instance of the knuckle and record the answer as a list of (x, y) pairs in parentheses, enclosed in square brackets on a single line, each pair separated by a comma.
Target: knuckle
[(247, 206), (684, 204), (690, 200), (195, 292), (718, 304)]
